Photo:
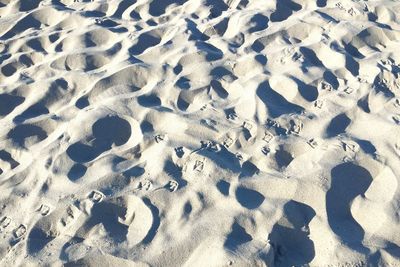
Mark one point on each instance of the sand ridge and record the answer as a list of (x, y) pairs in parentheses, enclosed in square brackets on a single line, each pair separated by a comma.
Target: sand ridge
[(199, 133)]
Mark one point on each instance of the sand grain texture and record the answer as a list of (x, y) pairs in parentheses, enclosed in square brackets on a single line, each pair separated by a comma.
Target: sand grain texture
[(199, 133)]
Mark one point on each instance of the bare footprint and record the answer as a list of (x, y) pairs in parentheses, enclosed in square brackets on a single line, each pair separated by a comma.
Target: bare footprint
[(348, 181)]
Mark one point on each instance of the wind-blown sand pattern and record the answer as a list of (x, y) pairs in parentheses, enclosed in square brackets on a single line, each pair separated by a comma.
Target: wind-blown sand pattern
[(199, 133)]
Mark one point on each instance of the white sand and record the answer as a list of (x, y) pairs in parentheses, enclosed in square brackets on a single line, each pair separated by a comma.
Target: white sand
[(199, 133)]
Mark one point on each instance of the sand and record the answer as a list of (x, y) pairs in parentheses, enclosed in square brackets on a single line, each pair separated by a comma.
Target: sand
[(199, 133)]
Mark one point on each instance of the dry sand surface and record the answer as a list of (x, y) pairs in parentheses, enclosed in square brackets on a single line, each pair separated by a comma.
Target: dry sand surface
[(199, 133)]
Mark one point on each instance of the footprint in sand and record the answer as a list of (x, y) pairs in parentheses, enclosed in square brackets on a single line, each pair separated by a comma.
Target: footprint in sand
[(108, 131), (397, 103), (5, 222), (268, 136), (348, 181), (283, 157), (20, 231), (239, 156), (238, 236), (313, 142), (53, 226), (319, 103), (247, 130), (396, 119), (145, 185), (211, 146), (338, 125), (172, 186), (290, 236), (160, 138), (44, 210), (26, 135), (69, 216), (324, 86), (232, 116), (228, 142), (198, 166), (350, 146), (296, 126), (179, 152), (96, 196), (265, 150), (125, 219)]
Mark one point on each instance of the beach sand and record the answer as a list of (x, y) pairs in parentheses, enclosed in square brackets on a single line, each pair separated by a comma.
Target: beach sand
[(199, 133)]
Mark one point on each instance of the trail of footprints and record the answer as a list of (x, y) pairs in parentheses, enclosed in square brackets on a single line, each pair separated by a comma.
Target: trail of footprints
[(71, 213)]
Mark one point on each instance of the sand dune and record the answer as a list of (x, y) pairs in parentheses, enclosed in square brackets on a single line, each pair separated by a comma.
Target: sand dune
[(199, 133)]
